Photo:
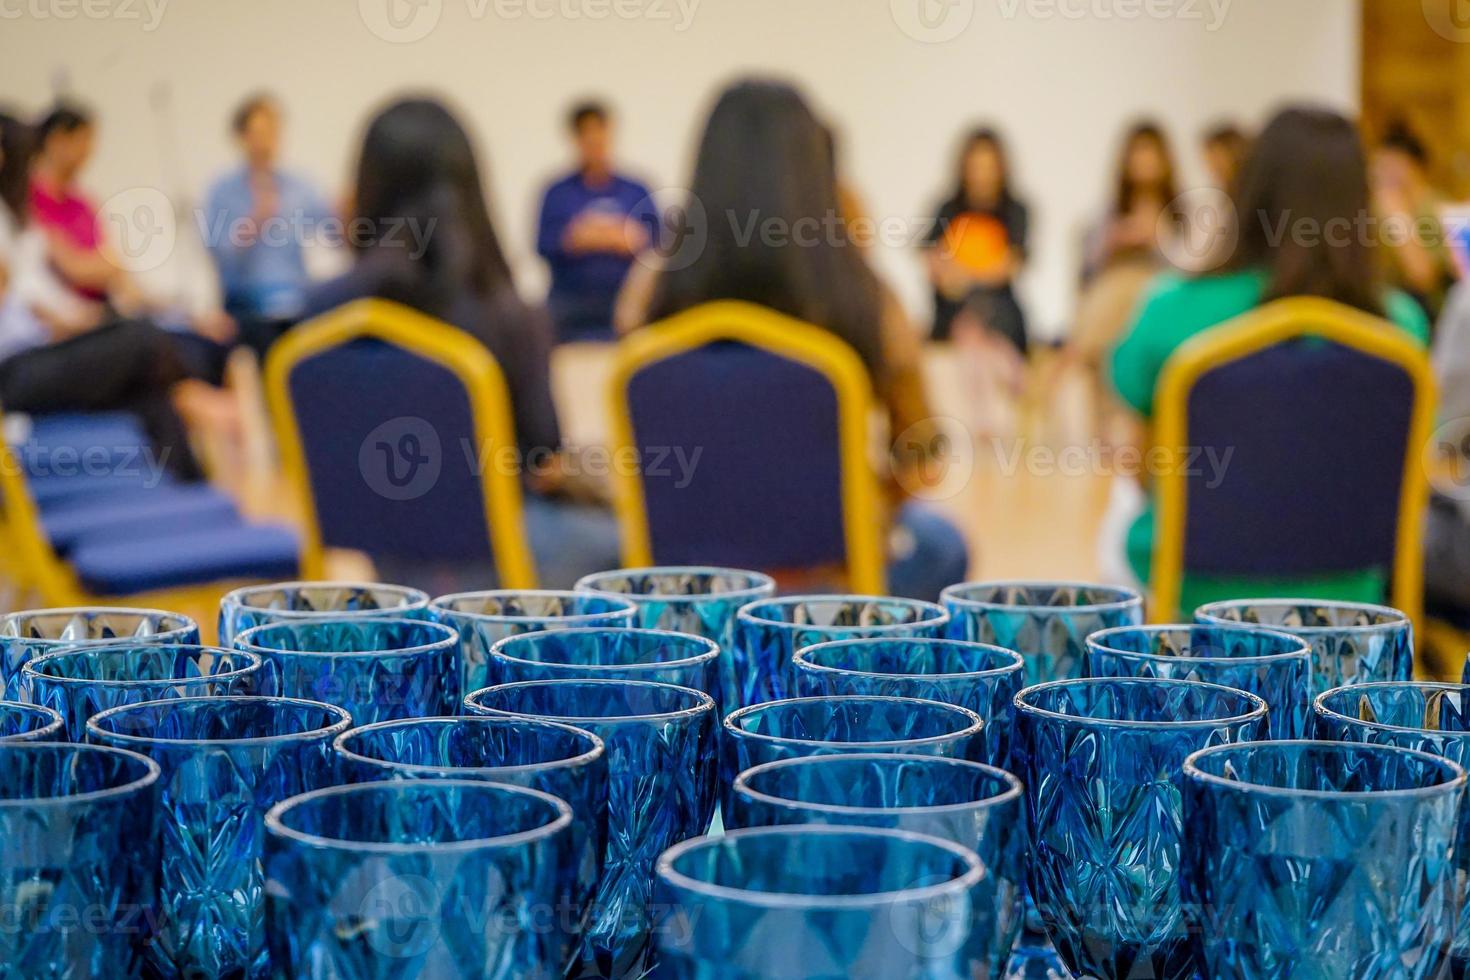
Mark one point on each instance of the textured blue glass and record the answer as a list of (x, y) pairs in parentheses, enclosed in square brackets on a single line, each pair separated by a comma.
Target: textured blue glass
[(79, 682), (284, 602), (1426, 717), (1045, 622), (225, 762), (20, 722), (78, 860), (820, 903), (1275, 666), (768, 634), (1102, 763), (983, 678), (661, 790), (975, 806), (1320, 861), (421, 878), (801, 727), (1352, 642), (609, 653), (485, 618), (378, 669), (567, 762), (37, 632)]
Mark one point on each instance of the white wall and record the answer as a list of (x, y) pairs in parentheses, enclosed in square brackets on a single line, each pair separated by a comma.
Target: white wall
[(1060, 76)]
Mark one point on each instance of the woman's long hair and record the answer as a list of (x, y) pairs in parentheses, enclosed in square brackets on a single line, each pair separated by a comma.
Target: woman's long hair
[(988, 137), (1127, 191), (765, 184), (421, 209), (1307, 173), (17, 146)]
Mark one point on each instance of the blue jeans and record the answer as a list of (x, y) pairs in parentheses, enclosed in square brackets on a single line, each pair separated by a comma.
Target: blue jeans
[(926, 553)]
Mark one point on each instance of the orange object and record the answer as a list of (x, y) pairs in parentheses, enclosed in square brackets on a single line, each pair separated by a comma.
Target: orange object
[(979, 243)]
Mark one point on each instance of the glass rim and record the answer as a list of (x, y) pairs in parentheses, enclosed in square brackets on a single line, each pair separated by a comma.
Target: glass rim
[(1396, 619), (152, 772), (274, 824), (763, 583), (1319, 705), (935, 614), (342, 723), (802, 662), (419, 599), (1126, 596), (449, 637), (587, 758), (973, 728), (440, 606), (7, 619), (709, 649), (1258, 711), (54, 721), (31, 667), (703, 702), (1455, 782), (666, 870), (1013, 784), (1094, 642)]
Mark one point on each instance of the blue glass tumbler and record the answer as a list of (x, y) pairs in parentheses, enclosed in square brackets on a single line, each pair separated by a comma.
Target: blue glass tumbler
[(609, 653), (37, 632), (283, 602), (20, 722)]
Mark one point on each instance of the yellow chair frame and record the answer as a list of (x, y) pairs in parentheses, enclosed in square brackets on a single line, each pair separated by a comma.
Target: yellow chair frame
[(782, 336), (1276, 323), (448, 347)]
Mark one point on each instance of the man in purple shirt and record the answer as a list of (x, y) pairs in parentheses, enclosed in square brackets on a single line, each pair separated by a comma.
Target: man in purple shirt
[(594, 222)]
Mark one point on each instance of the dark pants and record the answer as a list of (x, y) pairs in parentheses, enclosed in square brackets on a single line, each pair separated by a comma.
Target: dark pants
[(127, 365), (1447, 556)]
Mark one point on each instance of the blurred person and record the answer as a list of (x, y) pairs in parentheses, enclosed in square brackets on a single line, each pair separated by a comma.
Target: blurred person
[(1145, 191), (1447, 528), (593, 224), (417, 170), (257, 219), (1419, 258), (1307, 166), (764, 152), (1224, 148)]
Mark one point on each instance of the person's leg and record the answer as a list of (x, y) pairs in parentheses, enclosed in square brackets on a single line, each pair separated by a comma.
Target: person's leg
[(927, 553), (1446, 555), (570, 540)]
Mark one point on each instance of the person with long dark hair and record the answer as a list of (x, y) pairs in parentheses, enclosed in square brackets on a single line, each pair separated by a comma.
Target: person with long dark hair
[(765, 155), (1305, 175), (423, 237), (1145, 188)]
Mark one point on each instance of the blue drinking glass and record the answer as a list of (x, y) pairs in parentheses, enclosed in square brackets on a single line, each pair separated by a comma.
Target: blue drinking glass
[(420, 878), (1352, 642), (1276, 666), (983, 678), (819, 902), (567, 762), (78, 866), (973, 805), (609, 653), (286, 602), (661, 789), (37, 632), (20, 722), (1102, 762), (1425, 717), (225, 762), (800, 727), (1321, 861), (769, 632), (377, 669), (485, 618), (79, 682), (1045, 622)]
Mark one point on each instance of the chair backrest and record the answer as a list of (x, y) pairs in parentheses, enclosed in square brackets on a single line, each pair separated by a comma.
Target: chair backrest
[(396, 438), (1293, 435), (750, 434), (30, 563)]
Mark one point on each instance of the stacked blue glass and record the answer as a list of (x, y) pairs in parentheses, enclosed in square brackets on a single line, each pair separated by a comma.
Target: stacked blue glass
[(284, 602), (609, 653), (37, 632)]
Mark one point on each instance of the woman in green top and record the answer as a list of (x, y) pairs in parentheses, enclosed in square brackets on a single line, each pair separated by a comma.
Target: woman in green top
[(1303, 228)]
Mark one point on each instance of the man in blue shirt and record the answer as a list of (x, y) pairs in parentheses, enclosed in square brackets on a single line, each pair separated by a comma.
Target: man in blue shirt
[(257, 220), (594, 223)]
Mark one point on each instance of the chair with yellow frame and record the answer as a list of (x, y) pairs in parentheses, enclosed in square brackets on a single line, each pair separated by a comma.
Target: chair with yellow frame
[(1318, 413), (749, 431), (396, 439)]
